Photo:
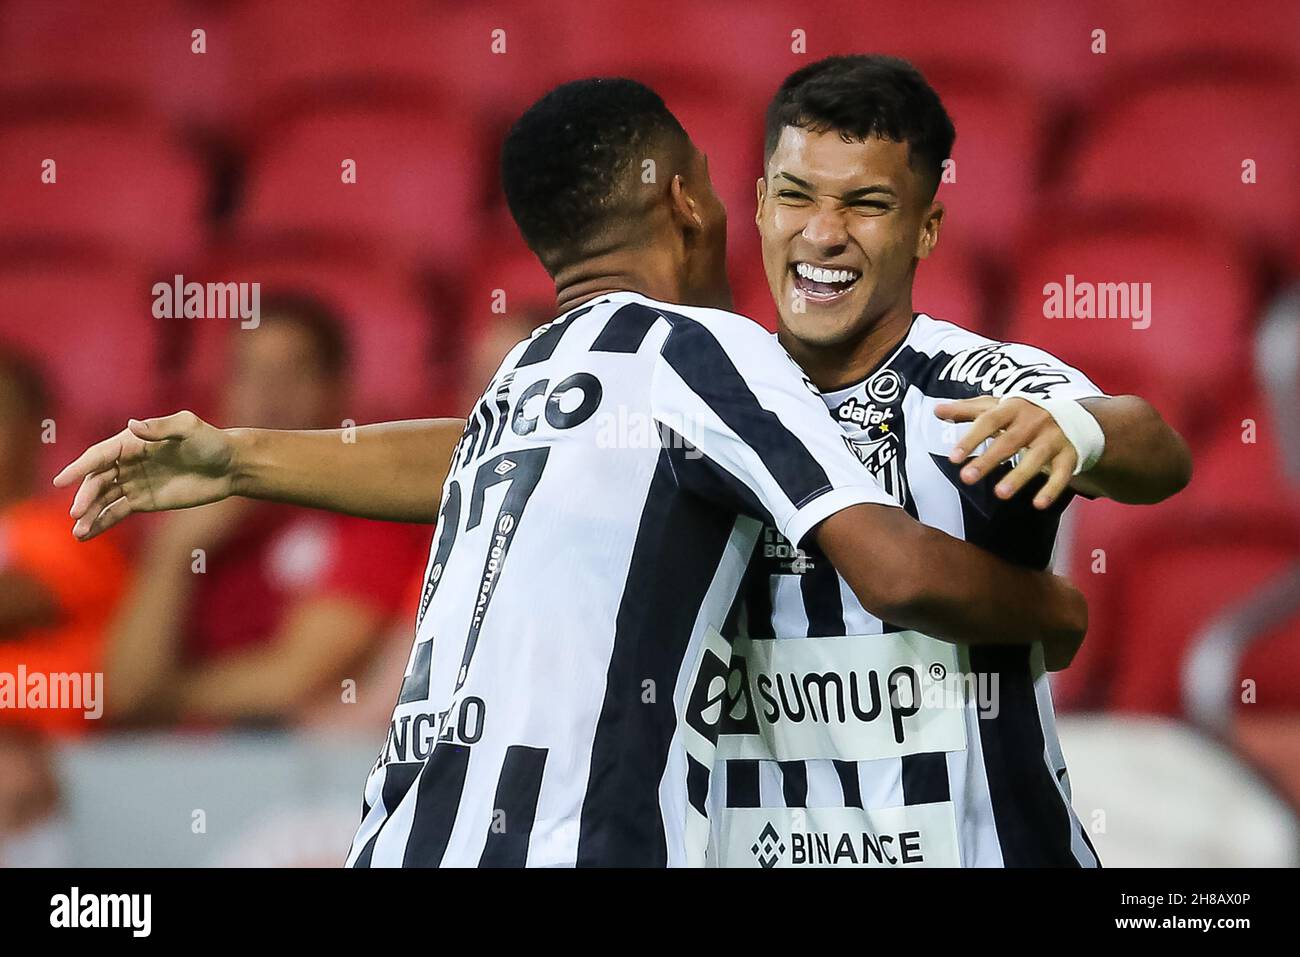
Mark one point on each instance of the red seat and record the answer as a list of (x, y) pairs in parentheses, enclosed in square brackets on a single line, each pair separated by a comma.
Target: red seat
[(391, 331), (1117, 557), (1201, 296), (1190, 573), (999, 126), (124, 188), (949, 287), (1152, 145), (288, 54), (90, 326), (73, 54), (417, 190), (1143, 35)]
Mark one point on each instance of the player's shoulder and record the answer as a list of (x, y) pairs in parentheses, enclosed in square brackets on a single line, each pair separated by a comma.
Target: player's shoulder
[(704, 327), (941, 338)]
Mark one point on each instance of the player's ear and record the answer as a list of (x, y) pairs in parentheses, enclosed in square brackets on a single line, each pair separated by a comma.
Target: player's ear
[(928, 238), (685, 208), (760, 192)]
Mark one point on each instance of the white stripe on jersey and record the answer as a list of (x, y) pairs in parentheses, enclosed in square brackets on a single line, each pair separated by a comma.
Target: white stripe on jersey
[(561, 698), (1002, 792)]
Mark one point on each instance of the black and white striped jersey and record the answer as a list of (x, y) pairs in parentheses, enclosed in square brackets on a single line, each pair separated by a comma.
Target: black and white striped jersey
[(595, 525), (849, 741)]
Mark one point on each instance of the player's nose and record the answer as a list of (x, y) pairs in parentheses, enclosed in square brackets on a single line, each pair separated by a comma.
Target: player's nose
[(826, 231)]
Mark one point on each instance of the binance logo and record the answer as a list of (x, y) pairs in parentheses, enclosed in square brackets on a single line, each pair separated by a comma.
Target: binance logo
[(769, 847)]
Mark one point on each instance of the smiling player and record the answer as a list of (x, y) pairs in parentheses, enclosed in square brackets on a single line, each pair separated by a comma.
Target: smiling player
[(850, 740)]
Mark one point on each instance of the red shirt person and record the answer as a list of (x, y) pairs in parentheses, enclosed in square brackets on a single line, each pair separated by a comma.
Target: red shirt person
[(248, 612)]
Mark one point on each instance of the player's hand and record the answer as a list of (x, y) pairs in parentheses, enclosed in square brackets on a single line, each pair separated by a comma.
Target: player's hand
[(176, 461), (1014, 425)]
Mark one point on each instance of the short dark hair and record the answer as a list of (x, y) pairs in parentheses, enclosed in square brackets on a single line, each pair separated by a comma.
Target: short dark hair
[(565, 160), (318, 320), (862, 96)]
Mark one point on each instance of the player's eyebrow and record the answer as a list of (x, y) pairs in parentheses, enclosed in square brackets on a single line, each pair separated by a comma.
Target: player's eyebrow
[(847, 197), (867, 191), (802, 184)]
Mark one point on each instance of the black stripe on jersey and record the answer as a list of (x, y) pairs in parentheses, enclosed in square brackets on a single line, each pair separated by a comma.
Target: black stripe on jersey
[(696, 472), (485, 412), (696, 356), (515, 809), (398, 779), (542, 346), (1013, 530), (757, 589), (437, 798), (794, 783), (819, 586), (925, 778), (1032, 821), (697, 785), (852, 787), (742, 783), (679, 544), (626, 329)]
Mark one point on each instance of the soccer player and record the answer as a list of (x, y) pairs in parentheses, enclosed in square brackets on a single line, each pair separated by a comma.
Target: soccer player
[(863, 742), (576, 589)]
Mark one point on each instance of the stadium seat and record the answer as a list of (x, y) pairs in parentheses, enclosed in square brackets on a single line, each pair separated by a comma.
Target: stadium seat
[(91, 327), (123, 187), (950, 286), (288, 55), (996, 160), (1141, 36), (1180, 562), (391, 331), (1202, 300), (1185, 142), (417, 190), (77, 54)]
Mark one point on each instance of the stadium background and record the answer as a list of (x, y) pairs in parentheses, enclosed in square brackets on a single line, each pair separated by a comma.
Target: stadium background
[(1169, 158)]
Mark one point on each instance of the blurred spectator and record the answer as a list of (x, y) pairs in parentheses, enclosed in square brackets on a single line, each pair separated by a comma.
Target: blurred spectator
[(56, 594), (490, 346), (245, 611), (33, 830)]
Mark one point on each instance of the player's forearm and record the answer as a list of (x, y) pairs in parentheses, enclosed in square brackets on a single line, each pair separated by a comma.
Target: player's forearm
[(1144, 461), (918, 577), (391, 470)]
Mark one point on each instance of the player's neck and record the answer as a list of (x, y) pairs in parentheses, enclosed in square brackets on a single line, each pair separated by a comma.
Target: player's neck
[(617, 272), (835, 366)]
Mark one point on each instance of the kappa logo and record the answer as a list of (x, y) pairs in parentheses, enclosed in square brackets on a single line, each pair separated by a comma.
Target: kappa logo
[(769, 848), (990, 370)]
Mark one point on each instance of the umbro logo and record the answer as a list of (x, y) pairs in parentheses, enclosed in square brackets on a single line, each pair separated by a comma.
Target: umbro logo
[(769, 847), (505, 466)]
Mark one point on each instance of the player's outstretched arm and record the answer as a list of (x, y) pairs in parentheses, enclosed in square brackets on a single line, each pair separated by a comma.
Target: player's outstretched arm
[(391, 470), (1142, 458), (918, 577)]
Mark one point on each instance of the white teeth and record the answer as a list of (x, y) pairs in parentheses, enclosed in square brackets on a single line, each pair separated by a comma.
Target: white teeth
[(818, 274)]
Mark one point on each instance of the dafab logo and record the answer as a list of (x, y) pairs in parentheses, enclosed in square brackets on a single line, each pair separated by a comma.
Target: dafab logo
[(769, 847)]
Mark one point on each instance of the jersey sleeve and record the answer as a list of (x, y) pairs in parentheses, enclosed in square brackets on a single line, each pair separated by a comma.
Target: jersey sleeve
[(1011, 368), (745, 428)]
